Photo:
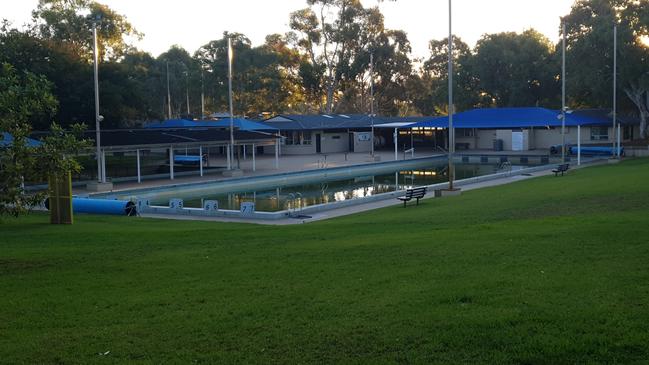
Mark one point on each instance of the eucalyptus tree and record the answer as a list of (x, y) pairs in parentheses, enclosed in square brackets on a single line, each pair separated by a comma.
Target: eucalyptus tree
[(69, 22), (589, 28), (327, 31), (264, 80), (517, 69), (429, 91)]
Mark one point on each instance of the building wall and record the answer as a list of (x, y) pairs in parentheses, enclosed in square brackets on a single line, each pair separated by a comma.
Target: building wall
[(506, 136), (364, 145), (485, 138), (334, 142)]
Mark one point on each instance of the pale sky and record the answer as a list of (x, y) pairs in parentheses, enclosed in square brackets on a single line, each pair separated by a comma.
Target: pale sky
[(193, 23)]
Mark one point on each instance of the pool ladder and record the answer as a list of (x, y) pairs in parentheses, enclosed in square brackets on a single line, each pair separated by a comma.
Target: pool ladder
[(505, 166), (294, 204)]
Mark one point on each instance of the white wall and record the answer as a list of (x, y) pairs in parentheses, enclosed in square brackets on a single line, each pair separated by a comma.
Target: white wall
[(506, 136), (334, 142), (362, 146), (486, 138)]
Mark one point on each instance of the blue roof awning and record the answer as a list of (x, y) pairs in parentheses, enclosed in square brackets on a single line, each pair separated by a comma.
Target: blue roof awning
[(7, 139), (240, 124), (510, 118)]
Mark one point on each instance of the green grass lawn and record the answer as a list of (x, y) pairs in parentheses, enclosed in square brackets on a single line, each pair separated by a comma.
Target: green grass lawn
[(543, 271)]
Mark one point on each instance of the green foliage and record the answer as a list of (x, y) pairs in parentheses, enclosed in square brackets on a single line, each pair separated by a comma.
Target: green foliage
[(322, 65), (517, 69), (62, 21), (23, 97), (590, 45), (336, 38), (542, 271)]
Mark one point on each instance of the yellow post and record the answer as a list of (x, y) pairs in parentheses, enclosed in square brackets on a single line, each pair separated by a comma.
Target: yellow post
[(60, 199)]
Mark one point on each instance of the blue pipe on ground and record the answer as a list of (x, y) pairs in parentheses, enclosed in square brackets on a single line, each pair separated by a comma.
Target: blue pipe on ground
[(101, 206)]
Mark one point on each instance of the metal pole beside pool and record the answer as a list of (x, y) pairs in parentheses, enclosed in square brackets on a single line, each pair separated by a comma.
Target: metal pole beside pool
[(578, 145), (171, 162), (137, 156), (394, 137), (200, 159)]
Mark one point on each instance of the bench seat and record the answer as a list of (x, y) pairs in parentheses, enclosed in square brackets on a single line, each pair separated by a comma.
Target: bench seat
[(414, 193)]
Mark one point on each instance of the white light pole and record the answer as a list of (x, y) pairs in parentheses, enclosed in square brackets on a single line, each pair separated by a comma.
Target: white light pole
[(100, 176), (230, 155), (616, 151), (202, 94), (451, 131), (168, 94), (372, 101), (563, 92), (187, 87)]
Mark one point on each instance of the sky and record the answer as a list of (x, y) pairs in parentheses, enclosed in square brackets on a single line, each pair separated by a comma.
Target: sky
[(193, 23)]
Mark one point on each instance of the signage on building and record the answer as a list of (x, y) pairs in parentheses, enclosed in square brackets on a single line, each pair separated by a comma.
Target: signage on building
[(362, 137)]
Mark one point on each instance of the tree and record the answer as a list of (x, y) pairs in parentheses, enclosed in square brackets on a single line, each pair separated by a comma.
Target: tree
[(329, 32), (265, 78), (64, 22), (517, 69), (22, 97), (589, 29), (430, 90)]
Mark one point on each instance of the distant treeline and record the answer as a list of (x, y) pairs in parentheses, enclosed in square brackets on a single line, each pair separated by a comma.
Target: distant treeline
[(323, 65)]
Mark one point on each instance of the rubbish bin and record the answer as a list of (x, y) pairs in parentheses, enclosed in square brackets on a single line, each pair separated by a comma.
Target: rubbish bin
[(498, 144)]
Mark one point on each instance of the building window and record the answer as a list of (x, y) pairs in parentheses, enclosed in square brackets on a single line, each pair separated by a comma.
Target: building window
[(297, 138), (464, 132), (305, 138), (288, 138), (599, 133), (628, 132)]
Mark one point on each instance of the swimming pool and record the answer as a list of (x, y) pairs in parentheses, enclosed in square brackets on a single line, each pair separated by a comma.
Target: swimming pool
[(286, 192)]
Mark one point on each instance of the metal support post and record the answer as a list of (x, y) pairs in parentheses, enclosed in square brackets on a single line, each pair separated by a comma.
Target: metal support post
[(137, 156)]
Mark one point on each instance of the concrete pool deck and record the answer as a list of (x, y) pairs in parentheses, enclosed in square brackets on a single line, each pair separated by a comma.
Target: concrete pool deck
[(362, 207)]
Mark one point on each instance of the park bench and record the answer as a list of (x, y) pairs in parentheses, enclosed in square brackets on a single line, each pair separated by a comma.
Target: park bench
[(414, 193), (561, 169)]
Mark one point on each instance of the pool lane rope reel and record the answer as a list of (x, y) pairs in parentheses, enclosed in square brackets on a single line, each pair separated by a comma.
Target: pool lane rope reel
[(101, 206)]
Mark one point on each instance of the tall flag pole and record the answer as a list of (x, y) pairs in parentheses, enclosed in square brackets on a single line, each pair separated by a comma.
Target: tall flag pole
[(563, 92), (231, 154), (100, 177), (617, 151), (202, 94), (168, 94), (451, 131), (372, 100)]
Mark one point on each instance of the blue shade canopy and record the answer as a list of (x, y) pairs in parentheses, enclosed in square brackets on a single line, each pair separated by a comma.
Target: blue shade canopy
[(511, 118), (240, 124), (7, 139)]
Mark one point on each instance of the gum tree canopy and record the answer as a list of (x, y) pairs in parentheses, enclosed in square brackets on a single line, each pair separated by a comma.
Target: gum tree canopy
[(589, 28)]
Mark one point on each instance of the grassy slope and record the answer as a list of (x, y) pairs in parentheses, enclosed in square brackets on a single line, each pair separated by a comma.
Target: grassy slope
[(549, 270)]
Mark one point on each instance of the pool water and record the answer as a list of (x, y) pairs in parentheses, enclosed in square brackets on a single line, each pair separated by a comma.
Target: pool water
[(298, 196)]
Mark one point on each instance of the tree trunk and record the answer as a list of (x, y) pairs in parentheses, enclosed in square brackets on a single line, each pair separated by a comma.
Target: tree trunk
[(330, 95), (640, 97), (644, 116)]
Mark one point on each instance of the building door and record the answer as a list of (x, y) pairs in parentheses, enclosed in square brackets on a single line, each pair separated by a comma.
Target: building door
[(318, 145), (351, 142)]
